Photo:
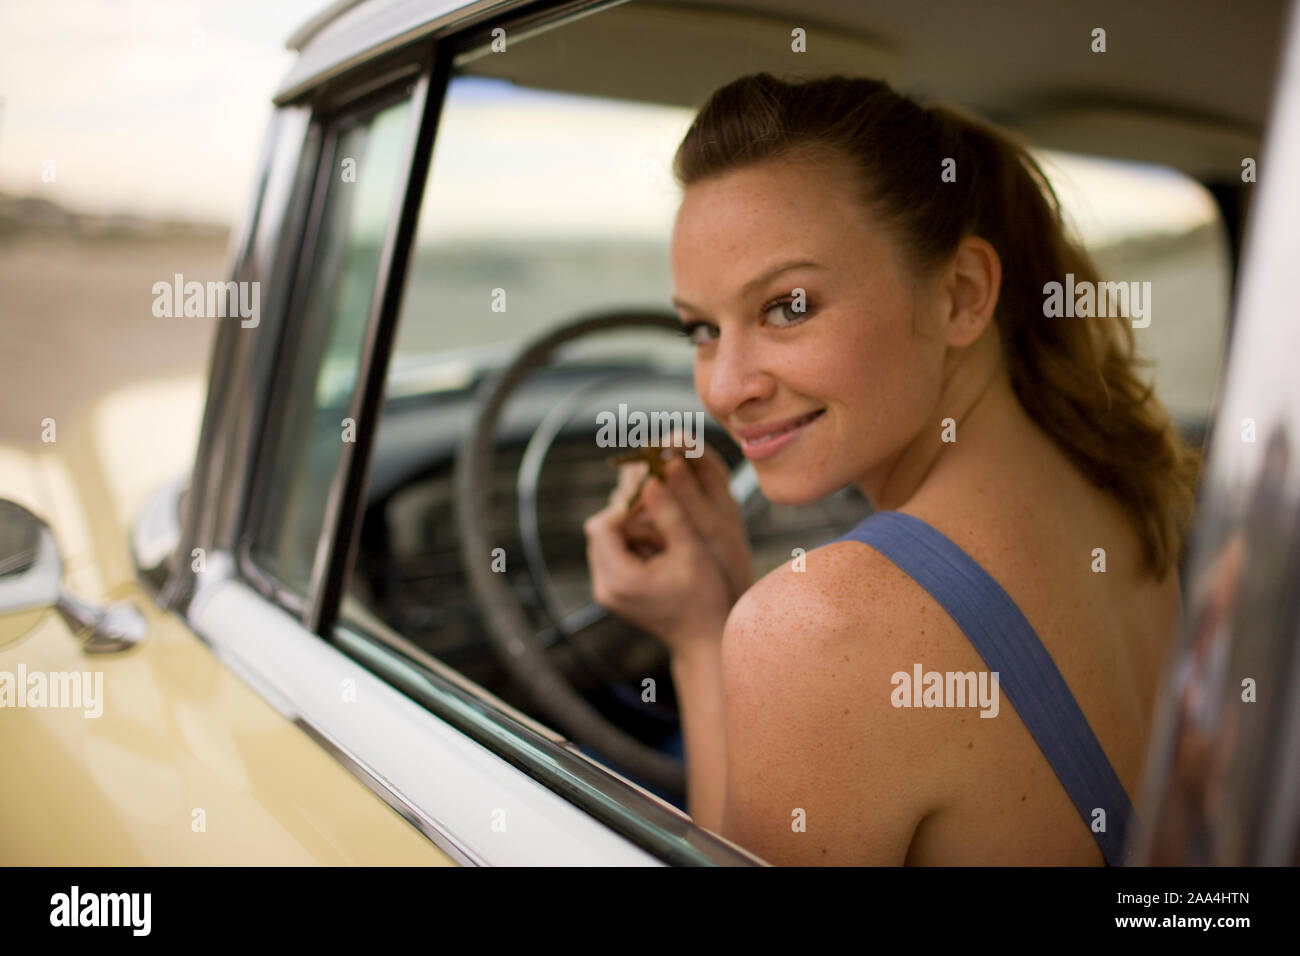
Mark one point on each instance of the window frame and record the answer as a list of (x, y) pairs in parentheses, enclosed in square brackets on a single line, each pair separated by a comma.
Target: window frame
[(546, 756), (384, 84)]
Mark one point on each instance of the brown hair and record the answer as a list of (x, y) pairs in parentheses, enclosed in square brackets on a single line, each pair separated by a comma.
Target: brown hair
[(1077, 379)]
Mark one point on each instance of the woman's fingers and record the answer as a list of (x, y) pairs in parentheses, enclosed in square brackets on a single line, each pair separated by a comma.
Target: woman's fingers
[(713, 512), (714, 478), (665, 509), (629, 476), (713, 475), (718, 517), (639, 531), (650, 564), (689, 509), (614, 569), (690, 495)]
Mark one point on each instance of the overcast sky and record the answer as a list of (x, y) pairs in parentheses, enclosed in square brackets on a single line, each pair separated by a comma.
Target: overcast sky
[(155, 107)]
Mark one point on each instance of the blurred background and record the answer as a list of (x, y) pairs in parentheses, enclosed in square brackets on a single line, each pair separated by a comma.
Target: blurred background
[(129, 132)]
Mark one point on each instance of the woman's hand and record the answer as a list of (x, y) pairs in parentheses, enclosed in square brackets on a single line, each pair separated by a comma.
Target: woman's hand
[(676, 563)]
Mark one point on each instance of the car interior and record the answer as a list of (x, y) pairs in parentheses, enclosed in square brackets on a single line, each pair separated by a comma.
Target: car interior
[(549, 205)]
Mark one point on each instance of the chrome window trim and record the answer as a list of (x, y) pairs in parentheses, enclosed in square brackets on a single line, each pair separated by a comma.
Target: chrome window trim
[(342, 520), (261, 356), (451, 794), (552, 760), (369, 30), (1262, 306), (318, 22), (328, 129), (433, 830), (253, 500), (224, 499), (360, 33), (239, 369), (155, 534)]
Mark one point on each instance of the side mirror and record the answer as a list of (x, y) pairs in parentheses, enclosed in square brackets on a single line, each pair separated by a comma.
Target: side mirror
[(30, 570), (31, 575)]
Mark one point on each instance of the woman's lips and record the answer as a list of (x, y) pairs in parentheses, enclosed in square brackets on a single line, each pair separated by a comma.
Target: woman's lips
[(763, 441)]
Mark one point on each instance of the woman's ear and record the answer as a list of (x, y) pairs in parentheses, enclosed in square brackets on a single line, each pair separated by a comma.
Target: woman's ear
[(973, 281)]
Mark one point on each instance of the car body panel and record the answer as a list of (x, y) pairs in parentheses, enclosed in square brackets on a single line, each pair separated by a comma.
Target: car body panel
[(179, 731), (485, 810), (1222, 783), (332, 43)]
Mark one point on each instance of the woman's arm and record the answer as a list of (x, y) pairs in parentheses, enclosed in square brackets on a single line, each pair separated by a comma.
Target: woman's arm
[(821, 768), (675, 567), (697, 675)]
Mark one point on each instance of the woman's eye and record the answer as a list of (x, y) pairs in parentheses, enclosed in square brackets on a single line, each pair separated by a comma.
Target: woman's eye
[(700, 333), (785, 312)]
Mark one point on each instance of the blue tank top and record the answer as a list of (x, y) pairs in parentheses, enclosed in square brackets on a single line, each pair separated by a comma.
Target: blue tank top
[(1026, 673)]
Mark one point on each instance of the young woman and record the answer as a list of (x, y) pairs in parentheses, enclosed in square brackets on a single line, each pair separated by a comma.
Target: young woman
[(863, 281)]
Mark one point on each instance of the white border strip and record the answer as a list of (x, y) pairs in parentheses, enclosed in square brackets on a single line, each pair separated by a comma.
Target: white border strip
[(490, 811)]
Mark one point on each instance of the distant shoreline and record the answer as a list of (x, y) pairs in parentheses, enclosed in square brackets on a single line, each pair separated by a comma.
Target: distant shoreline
[(31, 216)]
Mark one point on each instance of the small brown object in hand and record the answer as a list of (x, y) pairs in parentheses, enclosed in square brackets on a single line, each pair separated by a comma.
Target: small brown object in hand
[(656, 456)]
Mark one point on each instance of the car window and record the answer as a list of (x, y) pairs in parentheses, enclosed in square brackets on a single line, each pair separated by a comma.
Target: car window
[(323, 343), (540, 208), (1142, 224), (549, 199)]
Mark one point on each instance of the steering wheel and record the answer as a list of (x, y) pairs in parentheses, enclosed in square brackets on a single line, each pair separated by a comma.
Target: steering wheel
[(520, 647)]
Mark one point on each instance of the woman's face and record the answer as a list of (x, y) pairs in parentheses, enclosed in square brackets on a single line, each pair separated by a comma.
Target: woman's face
[(821, 398)]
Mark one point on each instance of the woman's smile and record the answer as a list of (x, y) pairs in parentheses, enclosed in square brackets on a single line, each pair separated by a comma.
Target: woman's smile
[(762, 441)]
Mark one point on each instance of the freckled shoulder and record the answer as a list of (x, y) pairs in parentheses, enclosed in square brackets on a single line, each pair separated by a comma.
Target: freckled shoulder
[(844, 590), (807, 660)]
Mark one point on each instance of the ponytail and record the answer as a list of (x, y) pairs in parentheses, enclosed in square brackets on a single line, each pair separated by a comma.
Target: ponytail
[(1076, 378)]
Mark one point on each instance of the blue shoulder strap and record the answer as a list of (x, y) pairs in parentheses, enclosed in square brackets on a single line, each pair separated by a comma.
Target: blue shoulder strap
[(1026, 672)]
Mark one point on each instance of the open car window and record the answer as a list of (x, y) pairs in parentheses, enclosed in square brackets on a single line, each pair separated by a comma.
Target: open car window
[(549, 199), (1161, 234), (535, 216), (363, 162)]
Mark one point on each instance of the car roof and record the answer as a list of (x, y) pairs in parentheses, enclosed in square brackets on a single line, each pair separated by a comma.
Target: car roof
[(1182, 82)]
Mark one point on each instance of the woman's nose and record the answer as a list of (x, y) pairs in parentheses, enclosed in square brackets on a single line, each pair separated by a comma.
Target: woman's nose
[(736, 376)]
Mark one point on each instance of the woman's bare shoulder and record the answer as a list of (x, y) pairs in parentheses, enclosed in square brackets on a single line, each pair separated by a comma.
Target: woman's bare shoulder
[(837, 585), (809, 657)]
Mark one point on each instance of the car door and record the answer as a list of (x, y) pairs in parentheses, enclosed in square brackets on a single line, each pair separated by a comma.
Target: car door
[(273, 509), (163, 755), (1222, 786)]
